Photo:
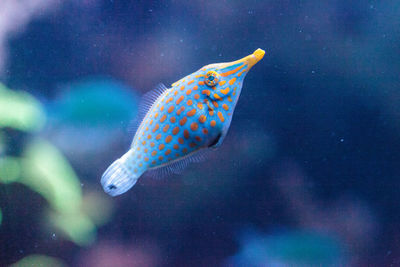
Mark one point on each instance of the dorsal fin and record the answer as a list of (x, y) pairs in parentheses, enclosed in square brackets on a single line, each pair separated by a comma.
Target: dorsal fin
[(146, 103), (178, 165)]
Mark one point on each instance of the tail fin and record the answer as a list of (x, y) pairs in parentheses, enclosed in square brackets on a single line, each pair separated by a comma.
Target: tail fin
[(118, 178)]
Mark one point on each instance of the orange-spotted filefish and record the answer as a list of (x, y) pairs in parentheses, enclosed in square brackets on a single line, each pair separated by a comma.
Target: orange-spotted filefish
[(180, 122)]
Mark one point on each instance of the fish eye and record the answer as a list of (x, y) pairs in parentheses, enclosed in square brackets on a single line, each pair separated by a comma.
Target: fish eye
[(211, 78)]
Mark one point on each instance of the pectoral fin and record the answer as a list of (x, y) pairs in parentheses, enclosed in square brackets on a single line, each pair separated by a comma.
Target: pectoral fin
[(218, 141)]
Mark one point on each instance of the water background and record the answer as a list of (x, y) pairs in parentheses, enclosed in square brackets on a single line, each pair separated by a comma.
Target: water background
[(308, 174)]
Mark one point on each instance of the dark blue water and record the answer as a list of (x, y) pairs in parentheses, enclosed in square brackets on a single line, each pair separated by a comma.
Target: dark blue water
[(307, 175)]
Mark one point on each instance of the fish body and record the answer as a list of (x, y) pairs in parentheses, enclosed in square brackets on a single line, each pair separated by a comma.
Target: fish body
[(194, 114)]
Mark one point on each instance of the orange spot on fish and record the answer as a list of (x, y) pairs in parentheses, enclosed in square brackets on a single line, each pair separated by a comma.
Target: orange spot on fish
[(215, 104), (194, 126), (168, 139), (176, 92), (156, 127), (222, 83), (162, 108), (145, 150), (188, 92), (213, 123), (140, 164), (192, 145), (154, 153), (191, 113), (195, 87), (180, 110), (175, 131), (156, 115), (168, 152), (230, 99), (152, 144), (211, 112), (225, 106), (172, 119), (161, 146), (201, 82), (217, 96), (205, 131), (189, 102), (151, 121), (147, 128), (184, 150), (149, 136), (176, 146), (240, 73), (206, 92), (220, 116), (198, 138), (180, 140), (202, 118), (231, 71), (170, 109), (183, 121), (200, 105), (144, 142), (169, 100), (158, 137), (199, 76), (146, 159), (179, 100), (225, 91), (196, 96), (182, 88), (232, 81), (153, 162), (186, 134), (166, 127), (190, 82), (160, 158), (163, 118)]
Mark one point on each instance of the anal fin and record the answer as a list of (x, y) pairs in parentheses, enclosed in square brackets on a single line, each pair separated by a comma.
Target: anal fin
[(177, 166)]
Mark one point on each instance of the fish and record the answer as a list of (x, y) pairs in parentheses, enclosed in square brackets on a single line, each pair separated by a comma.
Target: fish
[(179, 123)]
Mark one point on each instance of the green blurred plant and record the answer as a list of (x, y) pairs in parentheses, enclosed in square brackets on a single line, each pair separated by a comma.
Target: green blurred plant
[(20, 111), (43, 169), (39, 260)]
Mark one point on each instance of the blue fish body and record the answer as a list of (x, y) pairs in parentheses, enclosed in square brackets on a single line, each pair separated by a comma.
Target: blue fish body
[(193, 115)]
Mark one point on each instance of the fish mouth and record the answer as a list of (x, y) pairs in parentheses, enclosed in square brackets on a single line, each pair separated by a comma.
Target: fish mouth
[(247, 62), (252, 59)]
